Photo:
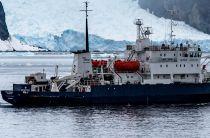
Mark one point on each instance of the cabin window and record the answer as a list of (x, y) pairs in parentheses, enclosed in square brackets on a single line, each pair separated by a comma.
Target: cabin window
[(174, 54), (131, 76), (166, 66), (180, 54), (184, 65), (128, 77), (180, 65), (36, 89), (164, 55), (176, 65), (191, 65), (158, 76), (191, 54), (187, 76), (164, 76), (161, 55), (197, 65), (183, 76), (161, 66), (41, 77)]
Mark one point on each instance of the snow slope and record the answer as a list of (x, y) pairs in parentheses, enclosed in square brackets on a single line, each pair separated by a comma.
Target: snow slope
[(15, 45), (111, 19)]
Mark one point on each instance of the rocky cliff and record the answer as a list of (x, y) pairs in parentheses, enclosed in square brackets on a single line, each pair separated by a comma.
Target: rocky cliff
[(194, 12), (4, 34)]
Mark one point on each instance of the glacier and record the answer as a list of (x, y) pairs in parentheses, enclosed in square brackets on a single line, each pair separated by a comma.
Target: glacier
[(50, 23), (71, 40)]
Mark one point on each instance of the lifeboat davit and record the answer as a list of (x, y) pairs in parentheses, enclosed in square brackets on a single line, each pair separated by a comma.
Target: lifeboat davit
[(126, 66), (99, 63)]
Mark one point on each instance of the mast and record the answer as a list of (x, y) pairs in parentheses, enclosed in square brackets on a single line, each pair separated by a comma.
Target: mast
[(86, 31), (172, 24), (142, 33)]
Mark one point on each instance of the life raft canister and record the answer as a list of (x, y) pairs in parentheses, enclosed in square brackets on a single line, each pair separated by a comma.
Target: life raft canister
[(126, 66)]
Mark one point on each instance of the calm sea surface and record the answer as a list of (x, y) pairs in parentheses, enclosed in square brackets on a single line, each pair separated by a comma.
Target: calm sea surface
[(108, 121)]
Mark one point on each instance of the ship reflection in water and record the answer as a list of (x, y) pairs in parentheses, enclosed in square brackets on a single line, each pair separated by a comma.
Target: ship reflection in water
[(141, 121), (112, 121)]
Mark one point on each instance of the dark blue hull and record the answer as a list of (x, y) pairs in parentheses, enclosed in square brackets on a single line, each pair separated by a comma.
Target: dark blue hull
[(115, 94)]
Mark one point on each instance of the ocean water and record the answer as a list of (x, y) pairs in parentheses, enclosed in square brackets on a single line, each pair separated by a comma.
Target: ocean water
[(158, 121)]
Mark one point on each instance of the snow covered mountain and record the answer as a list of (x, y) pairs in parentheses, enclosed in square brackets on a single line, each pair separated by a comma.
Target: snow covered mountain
[(8, 43), (42, 22)]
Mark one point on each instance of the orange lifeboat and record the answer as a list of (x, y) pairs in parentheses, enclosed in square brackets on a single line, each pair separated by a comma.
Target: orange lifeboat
[(99, 63), (126, 66)]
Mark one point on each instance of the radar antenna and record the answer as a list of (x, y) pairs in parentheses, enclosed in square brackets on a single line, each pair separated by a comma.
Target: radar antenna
[(86, 33)]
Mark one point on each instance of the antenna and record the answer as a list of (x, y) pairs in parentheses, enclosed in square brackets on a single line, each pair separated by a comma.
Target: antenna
[(172, 24), (86, 34)]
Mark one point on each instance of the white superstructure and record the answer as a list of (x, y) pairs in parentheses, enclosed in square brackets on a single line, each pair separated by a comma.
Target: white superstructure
[(167, 63)]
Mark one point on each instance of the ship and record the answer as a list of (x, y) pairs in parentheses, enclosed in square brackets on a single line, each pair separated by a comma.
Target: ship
[(147, 74)]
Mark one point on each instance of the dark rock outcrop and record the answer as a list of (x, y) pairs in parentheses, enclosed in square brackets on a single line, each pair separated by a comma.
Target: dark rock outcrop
[(4, 33), (194, 12)]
